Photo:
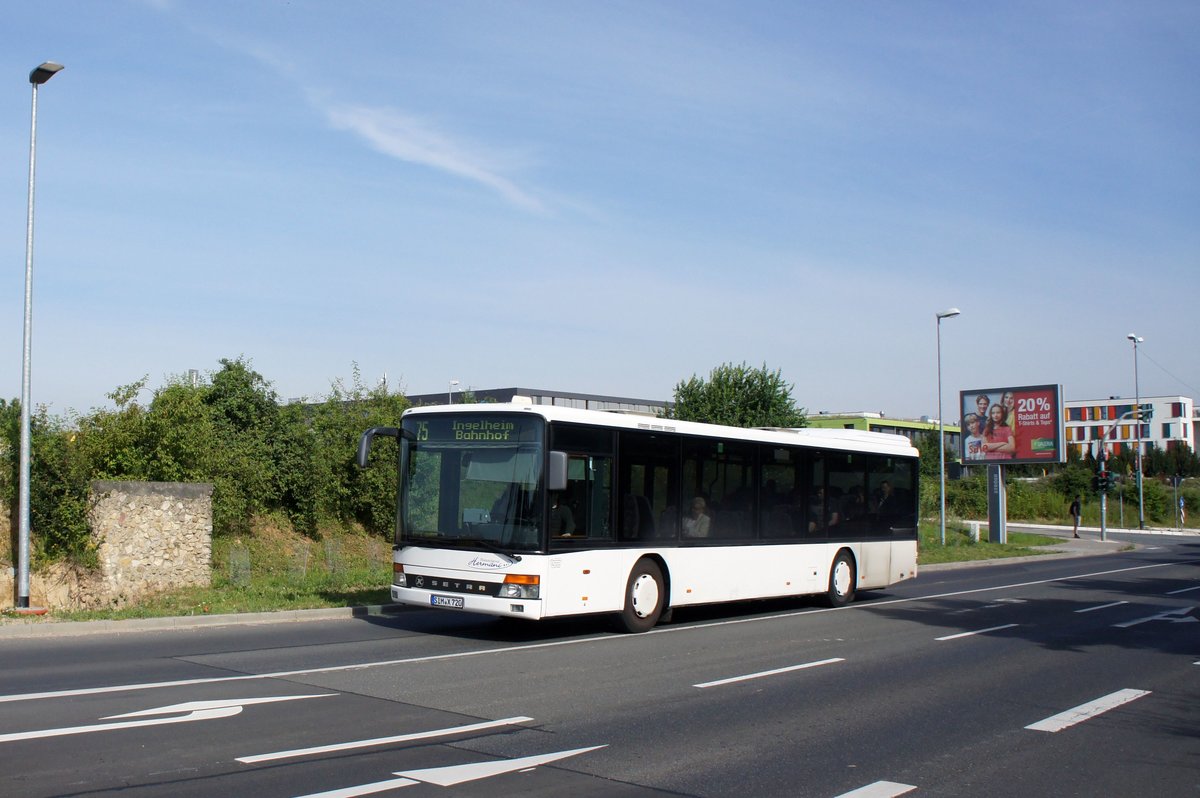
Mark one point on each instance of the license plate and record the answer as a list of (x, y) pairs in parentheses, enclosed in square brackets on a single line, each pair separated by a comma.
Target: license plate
[(453, 602)]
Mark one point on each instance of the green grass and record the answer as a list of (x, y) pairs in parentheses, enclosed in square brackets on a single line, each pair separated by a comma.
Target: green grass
[(273, 571), (960, 548)]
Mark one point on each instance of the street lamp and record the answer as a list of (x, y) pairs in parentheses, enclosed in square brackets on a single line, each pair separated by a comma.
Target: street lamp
[(450, 393), (1137, 403), (945, 314), (37, 77)]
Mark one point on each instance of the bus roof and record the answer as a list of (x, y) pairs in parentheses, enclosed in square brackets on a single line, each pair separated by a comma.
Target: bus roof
[(837, 439)]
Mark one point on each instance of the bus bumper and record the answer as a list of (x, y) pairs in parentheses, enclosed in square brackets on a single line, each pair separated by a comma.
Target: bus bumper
[(486, 605)]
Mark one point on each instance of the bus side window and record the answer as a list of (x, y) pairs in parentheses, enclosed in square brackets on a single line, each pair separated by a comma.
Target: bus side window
[(589, 492), (648, 486), (588, 499)]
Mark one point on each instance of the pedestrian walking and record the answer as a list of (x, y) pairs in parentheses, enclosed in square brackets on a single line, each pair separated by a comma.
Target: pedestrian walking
[(1076, 511)]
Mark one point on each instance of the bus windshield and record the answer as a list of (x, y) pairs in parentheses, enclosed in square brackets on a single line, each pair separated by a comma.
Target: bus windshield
[(474, 480)]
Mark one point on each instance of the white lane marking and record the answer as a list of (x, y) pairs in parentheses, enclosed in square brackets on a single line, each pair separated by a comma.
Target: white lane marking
[(761, 674), (1180, 615), (196, 710), (193, 706), (1102, 606), (880, 789), (976, 632), (362, 789), (458, 774), (1064, 720), (577, 641), (399, 738), (1184, 590), (452, 775)]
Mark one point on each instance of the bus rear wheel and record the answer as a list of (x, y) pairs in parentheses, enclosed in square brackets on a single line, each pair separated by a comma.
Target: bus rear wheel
[(842, 577), (644, 597)]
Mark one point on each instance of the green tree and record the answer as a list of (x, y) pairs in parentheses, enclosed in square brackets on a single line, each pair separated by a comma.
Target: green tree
[(181, 436), (245, 417), (738, 396), (318, 480), (58, 491), (1074, 479)]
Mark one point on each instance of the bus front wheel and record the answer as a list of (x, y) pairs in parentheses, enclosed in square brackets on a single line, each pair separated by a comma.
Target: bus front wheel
[(841, 580), (644, 597)]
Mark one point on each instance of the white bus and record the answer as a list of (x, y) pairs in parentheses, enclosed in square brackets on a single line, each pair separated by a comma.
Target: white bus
[(535, 511)]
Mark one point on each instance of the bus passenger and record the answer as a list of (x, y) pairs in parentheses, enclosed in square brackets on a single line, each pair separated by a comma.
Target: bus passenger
[(562, 520), (821, 514), (696, 523), (886, 505), (854, 506)]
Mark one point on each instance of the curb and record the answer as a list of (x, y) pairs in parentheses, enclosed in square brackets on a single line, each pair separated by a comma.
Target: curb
[(20, 628)]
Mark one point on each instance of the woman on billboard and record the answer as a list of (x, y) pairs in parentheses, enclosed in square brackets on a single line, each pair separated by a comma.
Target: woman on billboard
[(999, 441)]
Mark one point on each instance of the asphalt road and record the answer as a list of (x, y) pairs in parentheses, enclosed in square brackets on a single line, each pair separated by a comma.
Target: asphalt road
[(1063, 677)]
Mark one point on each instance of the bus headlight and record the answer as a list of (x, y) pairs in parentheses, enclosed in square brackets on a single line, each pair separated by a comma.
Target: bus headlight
[(398, 577), (521, 586)]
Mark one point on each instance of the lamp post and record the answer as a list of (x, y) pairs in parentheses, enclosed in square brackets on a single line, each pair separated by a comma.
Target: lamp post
[(945, 314), (37, 77), (1137, 402), (450, 392)]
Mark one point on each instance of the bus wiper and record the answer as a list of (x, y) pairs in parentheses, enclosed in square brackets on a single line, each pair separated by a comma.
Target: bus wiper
[(492, 547)]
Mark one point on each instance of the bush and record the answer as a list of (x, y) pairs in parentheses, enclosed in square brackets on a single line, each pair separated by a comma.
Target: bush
[(262, 459)]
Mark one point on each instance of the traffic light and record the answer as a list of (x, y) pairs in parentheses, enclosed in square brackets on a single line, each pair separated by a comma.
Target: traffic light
[(1103, 481), (1147, 413)]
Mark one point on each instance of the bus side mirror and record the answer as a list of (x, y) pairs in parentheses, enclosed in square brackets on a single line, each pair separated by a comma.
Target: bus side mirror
[(364, 443), (556, 479)]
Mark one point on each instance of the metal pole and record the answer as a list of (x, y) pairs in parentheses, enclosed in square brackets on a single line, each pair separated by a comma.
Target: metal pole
[(941, 438), (1137, 398), (951, 313), (23, 502), (38, 76)]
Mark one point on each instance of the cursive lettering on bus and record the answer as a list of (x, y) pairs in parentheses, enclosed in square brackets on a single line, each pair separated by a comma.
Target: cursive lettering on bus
[(477, 562)]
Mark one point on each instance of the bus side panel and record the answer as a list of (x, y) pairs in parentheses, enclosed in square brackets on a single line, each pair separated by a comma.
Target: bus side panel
[(583, 582), (874, 564), (706, 575), (904, 560), (885, 562)]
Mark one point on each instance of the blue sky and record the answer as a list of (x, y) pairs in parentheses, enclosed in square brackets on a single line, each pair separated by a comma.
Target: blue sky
[(606, 197)]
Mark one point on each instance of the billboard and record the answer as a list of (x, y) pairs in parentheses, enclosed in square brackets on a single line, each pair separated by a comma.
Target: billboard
[(1006, 426)]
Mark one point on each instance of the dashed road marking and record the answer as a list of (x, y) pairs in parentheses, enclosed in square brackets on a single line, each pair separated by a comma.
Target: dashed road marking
[(1064, 720)]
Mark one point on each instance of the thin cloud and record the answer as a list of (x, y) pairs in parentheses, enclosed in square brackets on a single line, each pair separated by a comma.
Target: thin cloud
[(398, 135), (412, 140)]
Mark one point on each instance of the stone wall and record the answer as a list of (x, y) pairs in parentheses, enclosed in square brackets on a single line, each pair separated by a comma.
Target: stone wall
[(149, 537)]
